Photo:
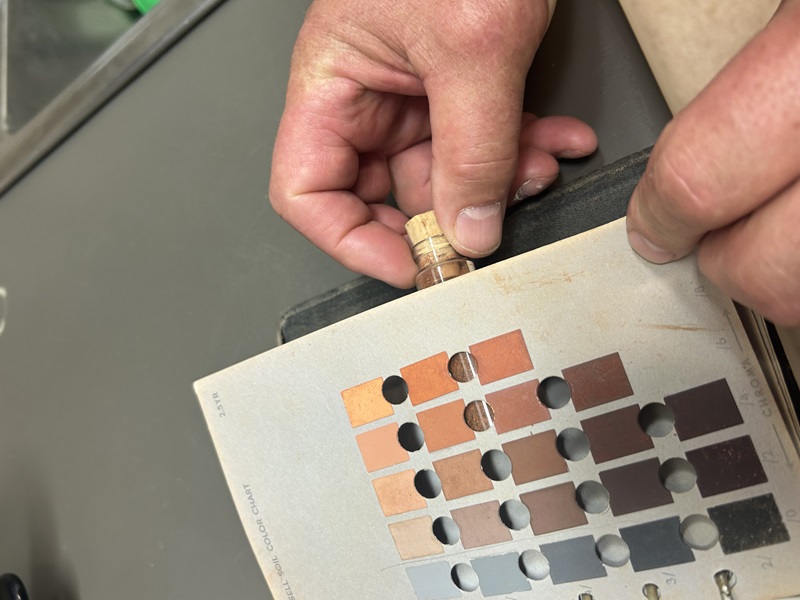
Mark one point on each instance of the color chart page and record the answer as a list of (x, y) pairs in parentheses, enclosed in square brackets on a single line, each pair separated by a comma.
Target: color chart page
[(570, 423)]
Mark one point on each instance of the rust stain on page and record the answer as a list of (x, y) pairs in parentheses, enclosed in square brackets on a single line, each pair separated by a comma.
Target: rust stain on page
[(671, 327), (563, 278), (509, 285)]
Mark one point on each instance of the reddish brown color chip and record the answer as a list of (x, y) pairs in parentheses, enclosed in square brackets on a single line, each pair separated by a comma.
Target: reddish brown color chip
[(554, 508), (535, 457), (598, 381), (616, 434), (462, 475), (501, 357), (517, 407), (635, 487)]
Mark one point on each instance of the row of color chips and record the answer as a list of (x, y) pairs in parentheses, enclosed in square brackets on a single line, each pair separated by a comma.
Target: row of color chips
[(722, 467), (592, 383), (498, 358), (737, 526), (611, 435)]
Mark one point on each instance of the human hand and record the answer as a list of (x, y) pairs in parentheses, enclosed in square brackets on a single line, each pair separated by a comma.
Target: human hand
[(724, 177), (423, 99)]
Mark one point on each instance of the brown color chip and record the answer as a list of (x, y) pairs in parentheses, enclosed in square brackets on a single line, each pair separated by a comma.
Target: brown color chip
[(414, 538), (462, 475), (554, 508), (704, 409), (365, 403), (535, 457), (727, 466), (480, 525), (444, 426), (635, 487), (517, 406), (501, 357), (380, 447), (462, 367), (397, 494), (598, 381), (428, 379), (479, 415), (615, 434)]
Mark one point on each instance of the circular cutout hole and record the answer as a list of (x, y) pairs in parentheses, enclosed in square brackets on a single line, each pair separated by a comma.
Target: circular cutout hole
[(534, 565), (428, 483), (613, 551), (573, 444), (656, 420), (395, 389), (592, 497), (410, 436), (462, 367), (651, 591), (465, 577), (677, 475), (446, 530), (479, 415), (699, 532), (496, 465), (515, 515), (554, 392)]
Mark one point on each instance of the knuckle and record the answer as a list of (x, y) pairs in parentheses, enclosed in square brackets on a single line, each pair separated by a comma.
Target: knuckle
[(687, 189), (493, 26), (491, 175), (767, 283), (779, 301)]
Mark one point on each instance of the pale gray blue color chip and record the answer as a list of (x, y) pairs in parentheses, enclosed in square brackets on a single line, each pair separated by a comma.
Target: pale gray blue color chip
[(500, 574), (573, 560), (433, 582)]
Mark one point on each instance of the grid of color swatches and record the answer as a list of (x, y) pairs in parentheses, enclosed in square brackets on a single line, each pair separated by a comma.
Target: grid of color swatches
[(525, 447)]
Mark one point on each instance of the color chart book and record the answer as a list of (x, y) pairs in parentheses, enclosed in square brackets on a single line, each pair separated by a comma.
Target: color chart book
[(572, 422)]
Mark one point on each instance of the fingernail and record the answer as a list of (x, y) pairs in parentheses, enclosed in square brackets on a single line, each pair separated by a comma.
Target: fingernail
[(648, 250), (530, 188), (479, 228), (571, 153)]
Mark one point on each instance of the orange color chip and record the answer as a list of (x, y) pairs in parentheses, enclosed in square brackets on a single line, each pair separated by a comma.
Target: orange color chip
[(444, 426), (397, 494), (501, 357), (365, 403), (414, 538), (380, 447), (428, 379)]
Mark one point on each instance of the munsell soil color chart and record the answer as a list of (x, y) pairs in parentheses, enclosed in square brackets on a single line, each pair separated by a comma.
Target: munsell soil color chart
[(573, 422)]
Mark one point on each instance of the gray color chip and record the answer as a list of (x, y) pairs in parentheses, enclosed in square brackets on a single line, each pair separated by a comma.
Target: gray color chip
[(656, 544), (500, 574), (573, 560), (433, 582)]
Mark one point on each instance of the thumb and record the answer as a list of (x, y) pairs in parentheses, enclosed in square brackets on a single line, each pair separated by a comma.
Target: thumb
[(475, 126)]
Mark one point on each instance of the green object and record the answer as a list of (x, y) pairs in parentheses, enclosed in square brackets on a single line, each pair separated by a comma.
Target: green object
[(145, 5)]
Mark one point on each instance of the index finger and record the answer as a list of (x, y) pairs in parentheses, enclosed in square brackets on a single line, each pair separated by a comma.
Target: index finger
[(731, 150)]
